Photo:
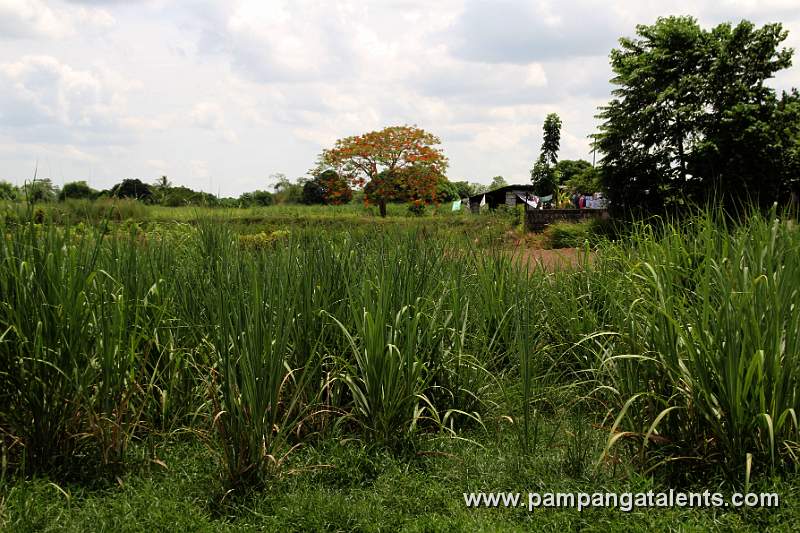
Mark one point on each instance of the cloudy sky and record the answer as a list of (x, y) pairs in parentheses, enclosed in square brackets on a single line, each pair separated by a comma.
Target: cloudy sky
[(219, 95)]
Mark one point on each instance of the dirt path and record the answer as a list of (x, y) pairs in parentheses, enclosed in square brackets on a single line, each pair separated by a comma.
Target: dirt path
[(551, 260)]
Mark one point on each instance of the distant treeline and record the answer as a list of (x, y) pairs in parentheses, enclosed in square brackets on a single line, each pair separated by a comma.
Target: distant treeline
[(327, 188)]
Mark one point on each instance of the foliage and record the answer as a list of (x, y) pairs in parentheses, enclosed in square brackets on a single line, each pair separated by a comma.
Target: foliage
[(160, 188), (366, 488), (76, 190), (692, 118), (262, 240), (40, 190), (78, 347), (287, 192), (577, 234), (396, 161), (447, 191), (255, 390), (416, 208), (178, 196), (461, 189), (313, 192), (551, 140), (256, 198), (578, 176), (132, 188), (587, 182), (327, 188), (684, 335), (497, 182), (544, 174), (714, 327), (8, 191)]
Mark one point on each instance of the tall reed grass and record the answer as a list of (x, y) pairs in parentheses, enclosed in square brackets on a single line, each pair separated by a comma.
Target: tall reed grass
[(685, 336), (704, 366)]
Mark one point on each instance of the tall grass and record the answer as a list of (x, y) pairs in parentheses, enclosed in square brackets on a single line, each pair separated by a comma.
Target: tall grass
[(75, 343), (685, 336), (255, 389), (714, 329)]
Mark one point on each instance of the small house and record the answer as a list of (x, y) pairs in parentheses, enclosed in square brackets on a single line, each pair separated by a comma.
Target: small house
[(508, 195)]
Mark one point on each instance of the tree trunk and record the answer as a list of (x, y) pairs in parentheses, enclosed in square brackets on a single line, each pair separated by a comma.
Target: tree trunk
[(681, 155), (382, 206)]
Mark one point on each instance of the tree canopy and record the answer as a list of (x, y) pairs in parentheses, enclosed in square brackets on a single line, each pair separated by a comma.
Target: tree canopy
[(8, 191), (76, 190), (692, 118), (578, 175), (40, 190), (256, 198), (132, 188), (327, 187), (498, 182), (395, 161)]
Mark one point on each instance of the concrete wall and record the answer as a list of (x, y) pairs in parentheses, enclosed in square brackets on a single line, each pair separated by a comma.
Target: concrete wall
[(538, 219)]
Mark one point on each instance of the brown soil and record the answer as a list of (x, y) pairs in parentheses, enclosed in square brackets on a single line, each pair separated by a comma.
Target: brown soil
[(551, 260)]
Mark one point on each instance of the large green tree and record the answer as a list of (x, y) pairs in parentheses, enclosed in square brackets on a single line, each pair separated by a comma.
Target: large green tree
[(132, 188), (76, 190), (287, 192), (40, 190), (256, 199), (327, 187), (8, 191), (578, 175), (544, 174), (160, 189), (498, 182), (692, 117)]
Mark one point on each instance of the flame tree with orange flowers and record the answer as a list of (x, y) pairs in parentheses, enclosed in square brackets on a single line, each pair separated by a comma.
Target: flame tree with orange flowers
[(395, 162)]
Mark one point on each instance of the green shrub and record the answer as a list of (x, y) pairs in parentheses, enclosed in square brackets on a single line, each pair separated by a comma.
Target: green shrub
[(577, 234), (416, 208), (263, 239)]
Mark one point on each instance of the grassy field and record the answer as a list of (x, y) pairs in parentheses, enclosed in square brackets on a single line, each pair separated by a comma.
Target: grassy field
[(324, 369)]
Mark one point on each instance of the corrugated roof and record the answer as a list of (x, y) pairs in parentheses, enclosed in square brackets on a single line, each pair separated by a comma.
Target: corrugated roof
[(526, 188)]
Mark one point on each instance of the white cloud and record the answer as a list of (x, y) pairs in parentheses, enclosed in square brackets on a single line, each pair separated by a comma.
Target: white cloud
[(210, 116), (46, 100), (159, 165), (22, 18), (40, 20), (199, 169)]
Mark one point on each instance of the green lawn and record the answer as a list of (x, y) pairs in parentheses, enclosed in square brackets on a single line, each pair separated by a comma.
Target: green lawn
[(345, 486)]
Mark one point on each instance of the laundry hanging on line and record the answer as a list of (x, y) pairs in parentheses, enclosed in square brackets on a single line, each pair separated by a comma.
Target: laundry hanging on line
[(532, 201)]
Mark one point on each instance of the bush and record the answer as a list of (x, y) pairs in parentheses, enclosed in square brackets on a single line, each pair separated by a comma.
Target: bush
[(132, 188), (256, 198), (97, 210), (76, 190), (577, 234), (416, 208), (327, 188), (262, 240)]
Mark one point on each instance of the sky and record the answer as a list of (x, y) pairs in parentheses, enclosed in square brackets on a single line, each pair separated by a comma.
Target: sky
[(221, 95)]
